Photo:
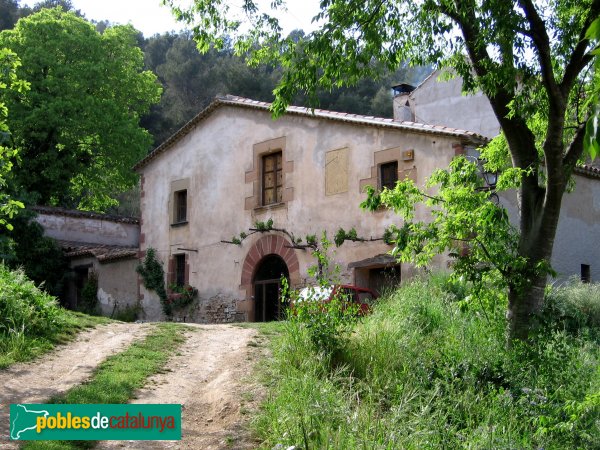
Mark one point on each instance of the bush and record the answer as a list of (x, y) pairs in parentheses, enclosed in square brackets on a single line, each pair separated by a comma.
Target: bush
[(127, 313), (26, 309), (423, 371), (326, 320), (573, 307)]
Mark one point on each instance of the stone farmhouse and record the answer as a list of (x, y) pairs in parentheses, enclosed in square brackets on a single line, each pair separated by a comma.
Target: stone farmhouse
[(233, 165)]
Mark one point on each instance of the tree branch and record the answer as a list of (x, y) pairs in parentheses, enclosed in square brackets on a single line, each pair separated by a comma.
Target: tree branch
[(579, 57), (519, 137), (541, 40), (574, 150)]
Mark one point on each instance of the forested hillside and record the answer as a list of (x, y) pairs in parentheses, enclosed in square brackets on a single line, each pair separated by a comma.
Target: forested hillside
[(190, 80)]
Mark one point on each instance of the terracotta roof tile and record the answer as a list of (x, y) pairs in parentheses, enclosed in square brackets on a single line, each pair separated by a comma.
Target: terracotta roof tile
[(104, 253), (56, 211), (231, 100), (588, 170)]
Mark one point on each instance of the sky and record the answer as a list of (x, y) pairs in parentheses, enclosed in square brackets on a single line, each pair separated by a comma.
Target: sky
[(151, 17)]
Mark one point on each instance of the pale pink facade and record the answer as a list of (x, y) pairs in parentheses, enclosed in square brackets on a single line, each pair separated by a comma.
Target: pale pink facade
[(233, 165)]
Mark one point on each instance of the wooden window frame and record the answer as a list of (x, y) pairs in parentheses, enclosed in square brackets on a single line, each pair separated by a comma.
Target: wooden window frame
[(180, 211), (388, 166), (277, 175)]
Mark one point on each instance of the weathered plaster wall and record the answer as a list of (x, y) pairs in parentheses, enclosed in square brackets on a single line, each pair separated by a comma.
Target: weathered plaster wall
[(117, 286), (578, 236), (216, 156), (442, 103), (577, 239), (93, 231)]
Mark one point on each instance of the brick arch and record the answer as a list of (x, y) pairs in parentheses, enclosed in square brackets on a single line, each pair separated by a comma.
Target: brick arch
[(269, 245)]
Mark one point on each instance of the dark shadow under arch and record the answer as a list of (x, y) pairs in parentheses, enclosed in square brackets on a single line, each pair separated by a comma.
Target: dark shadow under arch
[(267, 286)]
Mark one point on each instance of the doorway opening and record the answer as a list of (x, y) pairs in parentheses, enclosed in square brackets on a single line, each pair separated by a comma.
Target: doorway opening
[(267, 288)]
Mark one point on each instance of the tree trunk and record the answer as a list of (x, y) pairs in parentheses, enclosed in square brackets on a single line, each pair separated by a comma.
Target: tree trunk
[(540, 211), (524, 305)]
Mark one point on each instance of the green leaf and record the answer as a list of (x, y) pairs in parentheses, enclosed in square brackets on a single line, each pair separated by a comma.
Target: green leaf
[(593, 32)]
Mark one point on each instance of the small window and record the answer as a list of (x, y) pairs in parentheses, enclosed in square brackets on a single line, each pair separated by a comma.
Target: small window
[(586, 275), (388, 174), (272, 180), (180, 270), (180, 210)]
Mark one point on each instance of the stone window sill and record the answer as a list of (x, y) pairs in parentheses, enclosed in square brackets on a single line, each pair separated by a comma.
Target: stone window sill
[(272, 206), (179, 224)]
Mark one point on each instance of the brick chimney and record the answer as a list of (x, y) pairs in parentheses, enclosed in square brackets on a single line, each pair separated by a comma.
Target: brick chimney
[(403, 110)]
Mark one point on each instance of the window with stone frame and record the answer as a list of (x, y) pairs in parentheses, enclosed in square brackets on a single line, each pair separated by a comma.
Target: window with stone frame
[(272, 179), (180, 206), (388, 175)]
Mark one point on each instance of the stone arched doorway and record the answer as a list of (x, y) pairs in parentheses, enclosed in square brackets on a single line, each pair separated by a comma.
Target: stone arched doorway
[(267, 286), (265, 246)]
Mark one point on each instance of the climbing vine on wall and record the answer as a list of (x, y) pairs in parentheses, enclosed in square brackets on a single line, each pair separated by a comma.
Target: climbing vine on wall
[(153, 277), (311, 242)]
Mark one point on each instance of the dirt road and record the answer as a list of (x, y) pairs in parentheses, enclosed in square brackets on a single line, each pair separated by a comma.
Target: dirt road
[(211, 376)]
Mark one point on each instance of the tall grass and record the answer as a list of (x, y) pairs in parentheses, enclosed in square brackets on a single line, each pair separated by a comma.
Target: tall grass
[(31, 321), (422, 373)]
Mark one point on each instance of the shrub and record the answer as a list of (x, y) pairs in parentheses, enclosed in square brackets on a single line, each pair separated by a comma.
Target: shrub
[(24, 308), (127, 313), (423, 371), (326, 320), (573, 307)]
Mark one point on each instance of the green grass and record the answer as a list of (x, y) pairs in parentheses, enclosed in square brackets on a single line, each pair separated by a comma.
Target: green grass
[(119, 376), (421, 372), (31, 322)]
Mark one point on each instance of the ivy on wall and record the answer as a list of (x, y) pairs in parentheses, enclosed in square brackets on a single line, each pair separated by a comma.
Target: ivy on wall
[(153, 277)]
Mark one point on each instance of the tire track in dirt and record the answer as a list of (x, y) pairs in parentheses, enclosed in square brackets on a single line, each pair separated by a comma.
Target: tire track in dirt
[(211, 378), (66, 366)]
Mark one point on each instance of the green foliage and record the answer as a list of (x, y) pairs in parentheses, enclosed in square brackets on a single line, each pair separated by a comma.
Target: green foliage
[(343, 235), (31, 322), (39, 256), (153, 276), (422, 373), (464, 222), (127, 313), (182, 296), (264, 226), (326, 315), (192, 80), (24, 308), (78, 126), (591, 142), (89, 295), (327, 321), (574, 308), (9, 81)]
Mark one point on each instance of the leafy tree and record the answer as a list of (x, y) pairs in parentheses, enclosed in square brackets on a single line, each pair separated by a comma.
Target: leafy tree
[(9, 14), (529, 58), (9, 81), (192, 80), (78, 126)]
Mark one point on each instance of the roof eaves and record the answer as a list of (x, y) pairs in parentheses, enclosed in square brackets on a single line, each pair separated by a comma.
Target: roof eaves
[(379, 122), (588, 171), (58, 211)]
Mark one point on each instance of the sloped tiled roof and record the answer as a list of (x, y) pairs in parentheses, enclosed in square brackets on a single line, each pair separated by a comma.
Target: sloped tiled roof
[(241, 102), (104, 253), (588, 171), (56, 211)]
